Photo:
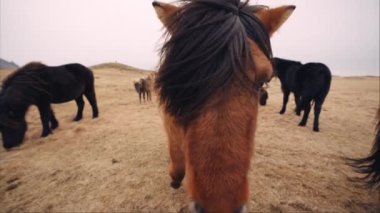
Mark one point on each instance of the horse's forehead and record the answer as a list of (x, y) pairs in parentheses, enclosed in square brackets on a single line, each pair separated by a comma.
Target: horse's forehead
[(263, 65), (261, 60)]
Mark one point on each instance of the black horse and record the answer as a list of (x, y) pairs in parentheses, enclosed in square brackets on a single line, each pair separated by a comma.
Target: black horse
[(370, 166), (309, 82), (41, 85)]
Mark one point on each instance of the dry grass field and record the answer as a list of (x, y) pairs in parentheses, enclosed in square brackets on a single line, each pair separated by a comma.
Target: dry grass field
[(118, 162)]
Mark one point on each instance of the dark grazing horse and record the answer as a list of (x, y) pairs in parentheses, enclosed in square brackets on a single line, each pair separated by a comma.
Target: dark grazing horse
[(216, 56), (309, 82), (370, 166), (41, 85)]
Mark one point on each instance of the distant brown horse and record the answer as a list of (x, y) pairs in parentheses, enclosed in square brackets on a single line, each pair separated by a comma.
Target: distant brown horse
[(216, 56), (144, 87)]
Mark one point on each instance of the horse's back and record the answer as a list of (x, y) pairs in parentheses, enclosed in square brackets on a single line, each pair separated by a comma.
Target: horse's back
[(314, 79), (79, 71), (316, 70), (68, 82)]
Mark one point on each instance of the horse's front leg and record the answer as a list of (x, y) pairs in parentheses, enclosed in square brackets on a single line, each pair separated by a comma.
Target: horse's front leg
[(285, 100), (45, 115), (177, 158)]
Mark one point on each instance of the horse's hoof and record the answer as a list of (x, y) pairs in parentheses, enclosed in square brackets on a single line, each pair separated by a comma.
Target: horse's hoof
[(282, 112), (316, 129), (77, 119), (302, 124), (175, 184), (45, 134), (54, 125)]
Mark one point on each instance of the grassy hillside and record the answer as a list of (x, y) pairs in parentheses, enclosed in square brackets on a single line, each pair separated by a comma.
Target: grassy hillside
[(113, 65)]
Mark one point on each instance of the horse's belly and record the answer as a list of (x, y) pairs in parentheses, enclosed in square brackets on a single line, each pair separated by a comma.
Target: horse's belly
[(61, 94)]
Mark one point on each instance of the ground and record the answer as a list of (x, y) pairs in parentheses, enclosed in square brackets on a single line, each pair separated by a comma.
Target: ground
[(119, 161)]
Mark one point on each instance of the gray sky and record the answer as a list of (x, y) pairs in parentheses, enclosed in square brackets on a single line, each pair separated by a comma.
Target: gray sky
[(344, 34)]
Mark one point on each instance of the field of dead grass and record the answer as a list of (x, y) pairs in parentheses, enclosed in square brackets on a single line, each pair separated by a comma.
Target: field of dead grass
[(119, 161)]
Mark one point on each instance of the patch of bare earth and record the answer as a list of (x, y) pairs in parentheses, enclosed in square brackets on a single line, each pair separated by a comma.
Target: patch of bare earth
[(119, 161)]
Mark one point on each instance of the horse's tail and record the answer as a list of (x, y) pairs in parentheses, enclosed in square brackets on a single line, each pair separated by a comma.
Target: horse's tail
[(327, 82), (90, 81), (328, 77), (369, 166), (90, 85)]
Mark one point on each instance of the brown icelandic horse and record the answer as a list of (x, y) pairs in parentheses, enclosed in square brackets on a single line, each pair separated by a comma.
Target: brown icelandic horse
[(144, 88), (216, 56)]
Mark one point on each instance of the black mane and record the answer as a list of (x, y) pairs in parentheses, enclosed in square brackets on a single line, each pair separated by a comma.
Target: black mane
[(369, 166), (28, 80), (25, 70), (206, 51)]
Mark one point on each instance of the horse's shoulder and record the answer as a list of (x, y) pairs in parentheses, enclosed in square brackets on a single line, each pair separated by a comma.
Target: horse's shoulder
[(315, 66)]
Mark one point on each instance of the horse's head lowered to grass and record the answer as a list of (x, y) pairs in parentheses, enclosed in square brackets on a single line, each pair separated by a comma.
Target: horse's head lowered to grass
[(216, 55), (17, 94)]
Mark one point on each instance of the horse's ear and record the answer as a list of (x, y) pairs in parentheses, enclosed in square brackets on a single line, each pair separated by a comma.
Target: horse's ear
[(273, 18), (164, 11)]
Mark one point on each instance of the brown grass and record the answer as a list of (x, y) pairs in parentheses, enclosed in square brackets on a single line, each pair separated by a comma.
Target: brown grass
[(119, 161)]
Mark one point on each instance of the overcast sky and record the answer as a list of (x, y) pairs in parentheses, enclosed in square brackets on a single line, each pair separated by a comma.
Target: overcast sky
[(344, 34)]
